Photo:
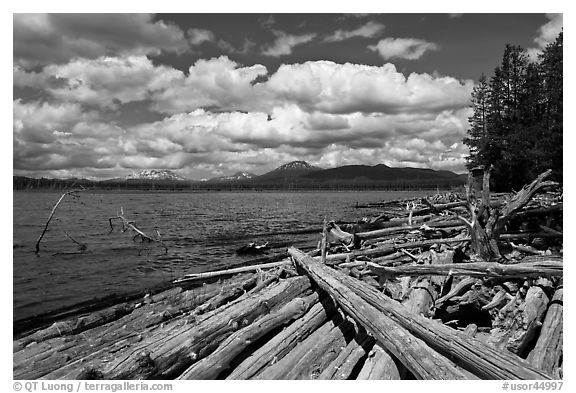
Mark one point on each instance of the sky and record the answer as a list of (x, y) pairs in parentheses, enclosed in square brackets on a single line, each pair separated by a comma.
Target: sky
[(105, 95)]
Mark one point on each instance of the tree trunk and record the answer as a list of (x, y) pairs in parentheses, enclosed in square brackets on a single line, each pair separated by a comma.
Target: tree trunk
[(413, 353), (476, 357), (541, 268), (379, 366), (314, 354), (175, 347), (281, 344), (342, 367), (547, 353), (210, 367)]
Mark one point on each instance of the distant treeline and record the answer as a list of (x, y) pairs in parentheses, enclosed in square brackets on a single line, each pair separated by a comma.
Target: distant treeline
[(517, 123), (26, 183)]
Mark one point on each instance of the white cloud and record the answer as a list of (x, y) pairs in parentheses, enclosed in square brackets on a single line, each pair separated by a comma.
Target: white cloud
[(402, 48), (107, 81), (369, 30), (285, 43), (547, 34), (346, 88), (56, 38), (199, 36), (218, 82)]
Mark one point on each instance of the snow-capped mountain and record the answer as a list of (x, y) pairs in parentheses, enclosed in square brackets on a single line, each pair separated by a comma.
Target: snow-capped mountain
[(235, 177), (154, 174), (296, 165), (288, 171)]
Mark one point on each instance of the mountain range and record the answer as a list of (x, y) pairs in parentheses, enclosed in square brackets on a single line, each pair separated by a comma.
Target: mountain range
[(293, 175)]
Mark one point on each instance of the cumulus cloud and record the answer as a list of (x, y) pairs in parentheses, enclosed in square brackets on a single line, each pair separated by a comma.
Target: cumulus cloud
[(41, 39), (109, 81), (217, 82), (199, 36), (369, 30), (547, 33), (346, 88), (223, 116), (284, 43), (402, 48)]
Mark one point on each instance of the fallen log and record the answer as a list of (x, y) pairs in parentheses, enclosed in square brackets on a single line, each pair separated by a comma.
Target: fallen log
[(515, 327), (39, 359), (547, 353), (342, 367), (413, 353), (210, 367), (285, 341), (174, 348), (227, 272), (476, 357), (371, 252), (76, 325), (227, 293), (406, 228), (379, 366), (542, 268), (314, 354)]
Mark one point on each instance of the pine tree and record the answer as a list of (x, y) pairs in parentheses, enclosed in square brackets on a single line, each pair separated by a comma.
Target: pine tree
[(477, 139)]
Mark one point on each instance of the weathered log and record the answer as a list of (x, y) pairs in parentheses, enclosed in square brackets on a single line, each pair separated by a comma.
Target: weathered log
[(76, 325), (379, 366), (342, 367), (471, 330), (431, 242), (316, 352), (227, 293), (275, 276), (473, 355), (547, 353), (543, 268), (370, 252), (227, 272), (413, 353), (37, 360), (515, 327), (175, 347), (421, 296), (401, 229), (285, 341), (210, 367)]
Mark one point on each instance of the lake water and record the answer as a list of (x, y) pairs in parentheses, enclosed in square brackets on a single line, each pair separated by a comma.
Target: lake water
[(202, 232)]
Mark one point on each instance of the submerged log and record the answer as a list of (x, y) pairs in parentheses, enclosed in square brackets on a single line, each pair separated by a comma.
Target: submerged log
[(285, 341), (542, 268), (547, 353), (478, 358), (413, 353), (211, 366), (379, 366)]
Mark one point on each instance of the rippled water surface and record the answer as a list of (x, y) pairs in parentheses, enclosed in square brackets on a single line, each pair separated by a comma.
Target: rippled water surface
[(201, 230)]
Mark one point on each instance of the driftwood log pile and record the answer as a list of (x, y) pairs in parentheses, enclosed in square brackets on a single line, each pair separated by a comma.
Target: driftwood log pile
[(447, 287)]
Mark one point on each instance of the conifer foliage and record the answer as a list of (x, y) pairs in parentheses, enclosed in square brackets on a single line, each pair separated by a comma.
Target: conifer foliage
[(516, 127)]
